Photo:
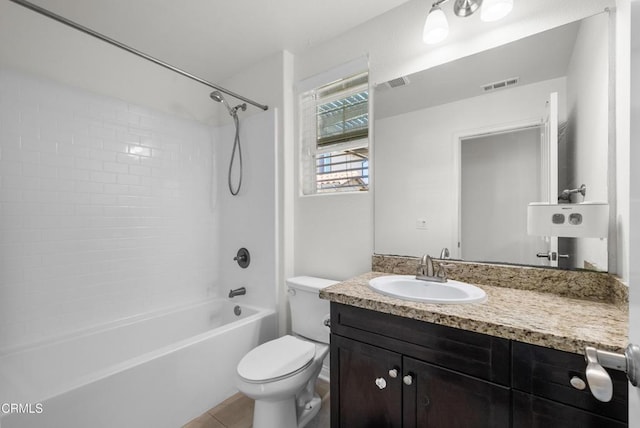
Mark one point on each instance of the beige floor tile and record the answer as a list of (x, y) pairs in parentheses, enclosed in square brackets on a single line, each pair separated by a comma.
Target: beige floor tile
[(237, 412), (234, 412), (204, 421)]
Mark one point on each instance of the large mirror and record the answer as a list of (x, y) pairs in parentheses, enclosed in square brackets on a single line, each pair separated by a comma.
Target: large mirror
[(463, 148)]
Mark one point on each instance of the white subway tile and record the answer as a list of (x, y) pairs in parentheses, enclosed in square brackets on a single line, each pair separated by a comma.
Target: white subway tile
[(91, 164), (128, 179), (90, 187), (116, 189), (139, 150), (56, 159), (116, 167), (100, 202), (102, 155), (35, 144), (88, 141), (14, 182), (128, 158), (104, 177), (115, 146), (69, 150), (8, 167)]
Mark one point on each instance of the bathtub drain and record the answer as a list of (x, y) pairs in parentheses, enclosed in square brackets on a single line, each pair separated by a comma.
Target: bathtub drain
[(237, 310)]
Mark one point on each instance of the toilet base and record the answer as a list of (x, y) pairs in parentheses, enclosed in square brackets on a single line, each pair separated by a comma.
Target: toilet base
[(275, 414), (283, 414), (311, 409)]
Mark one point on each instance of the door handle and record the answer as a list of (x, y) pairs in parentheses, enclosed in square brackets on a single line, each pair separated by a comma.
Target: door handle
[(552, 255), (599, 380)]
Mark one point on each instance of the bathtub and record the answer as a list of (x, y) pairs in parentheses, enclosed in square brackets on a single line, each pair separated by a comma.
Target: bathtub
[(159, 370)]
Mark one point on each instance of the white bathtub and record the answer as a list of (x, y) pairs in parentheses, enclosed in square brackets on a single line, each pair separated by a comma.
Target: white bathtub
[(160, 370)]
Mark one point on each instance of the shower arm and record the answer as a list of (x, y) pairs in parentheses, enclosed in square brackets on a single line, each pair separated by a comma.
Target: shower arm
[(129, 49)]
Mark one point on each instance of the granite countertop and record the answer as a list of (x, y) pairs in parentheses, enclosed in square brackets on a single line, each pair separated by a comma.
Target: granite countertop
[(535, 317)]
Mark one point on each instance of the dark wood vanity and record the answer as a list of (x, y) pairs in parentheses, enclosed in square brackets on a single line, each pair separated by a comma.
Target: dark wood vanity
[(392, 371)]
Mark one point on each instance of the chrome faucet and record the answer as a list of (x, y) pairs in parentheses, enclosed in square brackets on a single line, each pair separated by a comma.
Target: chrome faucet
[(426, 271), (444, 254), (237, 292)]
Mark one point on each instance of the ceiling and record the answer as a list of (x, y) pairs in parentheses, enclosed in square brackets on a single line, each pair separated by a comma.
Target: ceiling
[(215, 39)]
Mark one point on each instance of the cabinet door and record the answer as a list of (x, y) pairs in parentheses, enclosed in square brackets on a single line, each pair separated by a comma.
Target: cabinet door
[(363, 394), (530, 411), (442, 398)]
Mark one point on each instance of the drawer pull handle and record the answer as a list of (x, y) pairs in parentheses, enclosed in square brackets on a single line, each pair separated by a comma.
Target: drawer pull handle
[(408, 379), (598, 379), (393, 373), (381, 383), (578, 383)]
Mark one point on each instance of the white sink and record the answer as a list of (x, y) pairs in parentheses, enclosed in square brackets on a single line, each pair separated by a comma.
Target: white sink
[(407, 287)]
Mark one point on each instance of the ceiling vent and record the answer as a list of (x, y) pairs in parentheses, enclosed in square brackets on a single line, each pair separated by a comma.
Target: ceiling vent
[(512, 81), (397, 82)]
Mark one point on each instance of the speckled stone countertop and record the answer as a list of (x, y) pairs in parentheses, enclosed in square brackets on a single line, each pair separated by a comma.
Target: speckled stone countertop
[(536, 317)]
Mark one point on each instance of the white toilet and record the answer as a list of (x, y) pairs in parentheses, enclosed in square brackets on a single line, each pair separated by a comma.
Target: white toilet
[(280, 375)]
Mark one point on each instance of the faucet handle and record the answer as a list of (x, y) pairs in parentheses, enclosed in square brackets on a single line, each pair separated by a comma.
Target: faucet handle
[(442, 271)]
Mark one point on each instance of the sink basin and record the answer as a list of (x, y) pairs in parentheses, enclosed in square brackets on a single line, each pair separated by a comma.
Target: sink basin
[(407, 287)]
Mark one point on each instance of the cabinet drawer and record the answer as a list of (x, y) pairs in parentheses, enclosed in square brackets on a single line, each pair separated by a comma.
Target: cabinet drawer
[(530, 411), (546, 373), (479, 355)]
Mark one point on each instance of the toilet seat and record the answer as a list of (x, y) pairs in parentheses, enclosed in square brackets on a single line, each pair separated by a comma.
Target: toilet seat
[(276, 359)]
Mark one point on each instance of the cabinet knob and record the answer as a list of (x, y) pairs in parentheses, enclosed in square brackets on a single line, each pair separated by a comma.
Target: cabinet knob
[(408, 379), (381, 383), (393, 373), (578, 383)]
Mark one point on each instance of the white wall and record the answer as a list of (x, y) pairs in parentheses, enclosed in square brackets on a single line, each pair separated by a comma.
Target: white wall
[(634, 238), (105, 209), (588, 118), (423, 146)]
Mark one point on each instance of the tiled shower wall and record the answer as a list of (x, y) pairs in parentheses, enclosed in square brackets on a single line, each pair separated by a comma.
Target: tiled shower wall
[(105, 210)]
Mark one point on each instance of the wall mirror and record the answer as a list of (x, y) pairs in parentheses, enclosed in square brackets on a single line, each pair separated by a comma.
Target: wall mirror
[(461, 149)]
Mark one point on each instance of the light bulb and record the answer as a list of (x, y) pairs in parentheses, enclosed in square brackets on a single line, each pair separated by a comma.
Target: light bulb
[(492, 10), (436, 27)]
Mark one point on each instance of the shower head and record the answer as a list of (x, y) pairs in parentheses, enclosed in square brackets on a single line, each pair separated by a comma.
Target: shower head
[(217, 96)]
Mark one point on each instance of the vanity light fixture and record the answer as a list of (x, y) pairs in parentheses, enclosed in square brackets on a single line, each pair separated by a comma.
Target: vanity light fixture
[(493, 10), (436, 27)]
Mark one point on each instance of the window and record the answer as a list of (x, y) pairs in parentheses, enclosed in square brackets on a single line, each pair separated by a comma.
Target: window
[(335, 136)]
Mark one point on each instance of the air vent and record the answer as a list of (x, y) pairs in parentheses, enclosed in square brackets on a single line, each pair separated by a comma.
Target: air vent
[(400, 81), (501, 84)]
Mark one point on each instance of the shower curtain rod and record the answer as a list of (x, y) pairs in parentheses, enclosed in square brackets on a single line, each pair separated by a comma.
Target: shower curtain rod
[(116, 43)]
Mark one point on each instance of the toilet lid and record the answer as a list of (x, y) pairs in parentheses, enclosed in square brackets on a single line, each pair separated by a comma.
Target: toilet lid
[(276, 358)]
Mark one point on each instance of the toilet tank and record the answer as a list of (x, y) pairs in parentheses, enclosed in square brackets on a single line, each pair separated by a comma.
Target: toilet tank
[(308, 310)]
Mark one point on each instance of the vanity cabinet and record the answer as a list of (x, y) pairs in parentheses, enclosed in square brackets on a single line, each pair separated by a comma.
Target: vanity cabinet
[(390, 371)]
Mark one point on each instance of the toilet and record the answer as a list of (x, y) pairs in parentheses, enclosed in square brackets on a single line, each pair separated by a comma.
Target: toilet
[(280, 375)]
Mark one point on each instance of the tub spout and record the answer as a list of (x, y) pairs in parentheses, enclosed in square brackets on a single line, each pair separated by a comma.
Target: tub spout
[(237, 292)]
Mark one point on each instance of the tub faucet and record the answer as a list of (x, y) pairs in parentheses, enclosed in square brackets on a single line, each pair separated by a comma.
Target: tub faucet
[(426, 271), (237, 292)]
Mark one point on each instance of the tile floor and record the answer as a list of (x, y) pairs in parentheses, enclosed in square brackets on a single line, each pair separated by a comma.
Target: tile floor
[(237, 412)]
